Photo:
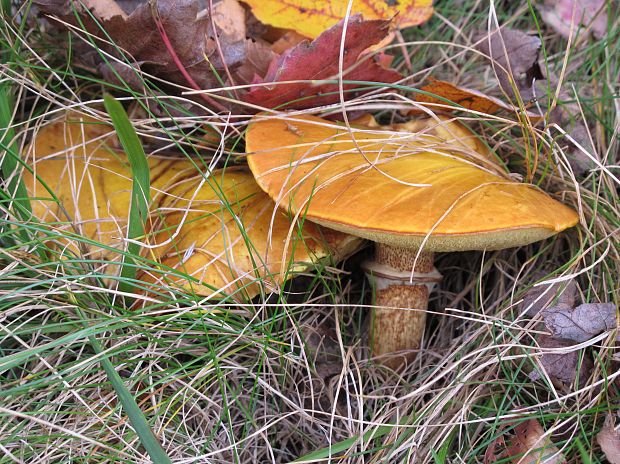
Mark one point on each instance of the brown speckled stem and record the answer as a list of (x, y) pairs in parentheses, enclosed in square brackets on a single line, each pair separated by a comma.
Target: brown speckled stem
[(401, 297)]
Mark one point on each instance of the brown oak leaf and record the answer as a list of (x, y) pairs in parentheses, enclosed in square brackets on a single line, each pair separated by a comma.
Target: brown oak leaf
[(120, 73), (185, 43), (566, 16), (609, 440), (541, 296), (530, 445), (563, 367), (527, 445), (514, 57), (171, 39), (436, 92), (494, 451), (581, 323), (259, 56), (318, 60)]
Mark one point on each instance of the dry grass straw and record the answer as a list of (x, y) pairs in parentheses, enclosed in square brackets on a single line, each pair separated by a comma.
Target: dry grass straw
[(229, 382)]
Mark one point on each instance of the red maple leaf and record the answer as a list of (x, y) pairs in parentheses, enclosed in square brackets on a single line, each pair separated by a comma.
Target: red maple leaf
[(319, 60)]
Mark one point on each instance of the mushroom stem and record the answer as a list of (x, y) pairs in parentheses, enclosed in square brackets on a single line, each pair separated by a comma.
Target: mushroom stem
[(402, 285)]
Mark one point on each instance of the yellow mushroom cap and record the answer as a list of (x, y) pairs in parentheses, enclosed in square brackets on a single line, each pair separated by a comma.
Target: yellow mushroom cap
[(402, 189), (220, 229), (227, 233)]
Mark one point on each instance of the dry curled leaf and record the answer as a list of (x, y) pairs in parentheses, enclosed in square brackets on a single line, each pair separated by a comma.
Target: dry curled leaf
[(323, 348), (311, 17), (197, 55), (320, 60), (541, 296), (571, 16), (580, 145), (288, 40), (494, 451), (181, 42), (104, 9), (229, 17), (568, 117), (514, 57), (609, 440), (581, 323), (530, 446), (565, 367), (258, 57), (121, 74)]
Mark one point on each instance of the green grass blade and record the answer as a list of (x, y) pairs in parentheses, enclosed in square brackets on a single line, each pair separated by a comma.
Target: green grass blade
[(136, 417), (9, 150), (344, 445), (140, 193), (9, 163)]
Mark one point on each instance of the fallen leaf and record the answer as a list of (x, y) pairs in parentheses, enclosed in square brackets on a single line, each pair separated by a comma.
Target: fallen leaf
[(323, 348), (311, 17), (494, 451), (199, 226), (530, 446), (564, 367), (128, 6), (288, 40), (514, 57), (568, 117), (258, 57), (191, 58), (566, 16), (581, 323), (122, 74), (319, 60), (104, 9), (463, 98), (541, 296), (609, 440), (229, 17), (179, 42)]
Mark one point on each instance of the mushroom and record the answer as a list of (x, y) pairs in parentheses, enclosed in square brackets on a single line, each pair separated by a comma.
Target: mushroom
[(412, 194), (213, 235), (230, 237)]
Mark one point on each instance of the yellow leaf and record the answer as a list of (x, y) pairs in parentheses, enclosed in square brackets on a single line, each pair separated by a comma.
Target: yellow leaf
[(403, 189), (311, 17), (222, 230)]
